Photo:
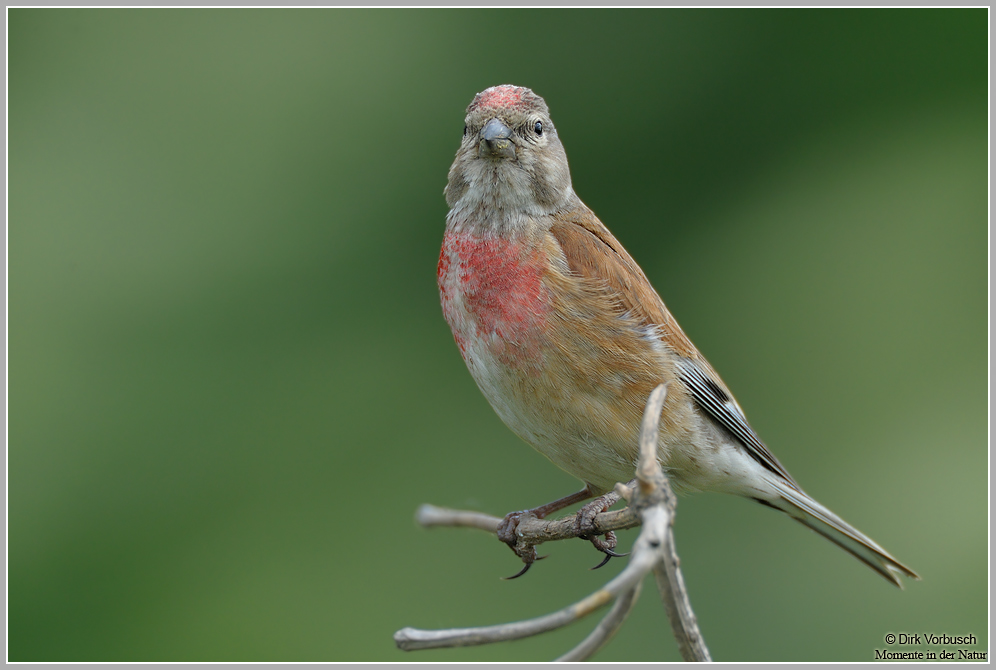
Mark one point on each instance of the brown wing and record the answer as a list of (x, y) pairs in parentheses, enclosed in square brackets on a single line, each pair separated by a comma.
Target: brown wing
[(593, 252)]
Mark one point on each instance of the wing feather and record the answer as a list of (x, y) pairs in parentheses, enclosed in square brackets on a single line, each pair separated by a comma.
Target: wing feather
[(593, 252), (723, 408)]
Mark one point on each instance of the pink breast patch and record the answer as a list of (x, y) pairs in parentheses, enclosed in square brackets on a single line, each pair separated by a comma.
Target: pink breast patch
[(491, 289)]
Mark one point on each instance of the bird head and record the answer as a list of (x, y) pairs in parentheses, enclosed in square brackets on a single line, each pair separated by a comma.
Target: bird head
[(510, 156)]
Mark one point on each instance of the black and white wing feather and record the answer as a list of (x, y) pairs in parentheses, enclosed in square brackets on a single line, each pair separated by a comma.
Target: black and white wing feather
[(721, 406)]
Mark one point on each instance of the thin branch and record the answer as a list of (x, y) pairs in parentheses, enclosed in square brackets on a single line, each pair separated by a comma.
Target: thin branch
[(430, 515), (651, 504), (667, 572), (684, 625), (606, 628), (536, 531), (648, 472), (409, 639)]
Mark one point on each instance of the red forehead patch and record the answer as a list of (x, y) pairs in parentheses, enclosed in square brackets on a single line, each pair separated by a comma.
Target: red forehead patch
[(500, 96), (507, 97)]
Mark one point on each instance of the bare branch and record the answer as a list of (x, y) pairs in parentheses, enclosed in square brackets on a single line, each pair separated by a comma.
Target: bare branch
[(606, 628), (667, 572), (412, 638), (533, 530), (430, 515), (648, 473), (684, 625), (651, 504)]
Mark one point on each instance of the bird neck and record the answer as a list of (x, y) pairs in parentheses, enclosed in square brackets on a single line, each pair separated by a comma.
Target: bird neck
[(497, 198)]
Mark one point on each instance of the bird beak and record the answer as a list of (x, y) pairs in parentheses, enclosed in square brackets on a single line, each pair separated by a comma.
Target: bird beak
[(495, 141)]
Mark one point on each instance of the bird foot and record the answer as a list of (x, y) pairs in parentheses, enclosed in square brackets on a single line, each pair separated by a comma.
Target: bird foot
[(507, 534), (585, 526)]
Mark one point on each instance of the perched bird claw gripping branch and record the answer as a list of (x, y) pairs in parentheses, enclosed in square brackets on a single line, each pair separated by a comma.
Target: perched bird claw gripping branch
[(584, 528), (565, 336), (651, 504)]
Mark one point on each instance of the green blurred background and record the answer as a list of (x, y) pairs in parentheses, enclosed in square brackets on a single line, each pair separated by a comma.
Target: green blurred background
[(231, 384)]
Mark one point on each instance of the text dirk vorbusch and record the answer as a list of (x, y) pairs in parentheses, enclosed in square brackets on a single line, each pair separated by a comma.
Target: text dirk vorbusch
[(929, 638)]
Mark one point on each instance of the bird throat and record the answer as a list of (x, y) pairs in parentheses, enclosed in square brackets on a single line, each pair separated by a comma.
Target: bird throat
[(494, 196)]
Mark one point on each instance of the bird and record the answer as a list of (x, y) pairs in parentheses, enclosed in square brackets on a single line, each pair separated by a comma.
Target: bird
[(566, 337)]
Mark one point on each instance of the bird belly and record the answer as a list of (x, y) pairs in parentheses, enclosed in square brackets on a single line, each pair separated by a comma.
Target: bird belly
[(566, 373)]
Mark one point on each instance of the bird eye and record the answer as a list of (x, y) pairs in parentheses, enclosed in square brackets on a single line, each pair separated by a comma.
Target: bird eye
[(538, 128)]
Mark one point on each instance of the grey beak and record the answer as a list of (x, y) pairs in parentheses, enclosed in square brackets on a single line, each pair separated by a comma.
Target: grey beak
[(495, 141)]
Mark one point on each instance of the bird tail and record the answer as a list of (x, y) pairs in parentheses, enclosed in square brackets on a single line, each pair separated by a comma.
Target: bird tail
[(807, 511)]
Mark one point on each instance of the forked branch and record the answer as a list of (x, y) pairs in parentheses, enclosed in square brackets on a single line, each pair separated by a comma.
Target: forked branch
[(651, 504)]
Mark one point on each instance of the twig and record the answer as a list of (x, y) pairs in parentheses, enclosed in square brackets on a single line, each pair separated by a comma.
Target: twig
[(535, 530), (684, 625), (606, 628), (430, 515), (410, 639), (651, 503), (667, 572)]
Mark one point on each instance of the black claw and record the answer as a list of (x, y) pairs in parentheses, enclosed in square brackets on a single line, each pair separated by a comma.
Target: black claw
[(528, 564), (605, 560), (612, 554), (525, 568)]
